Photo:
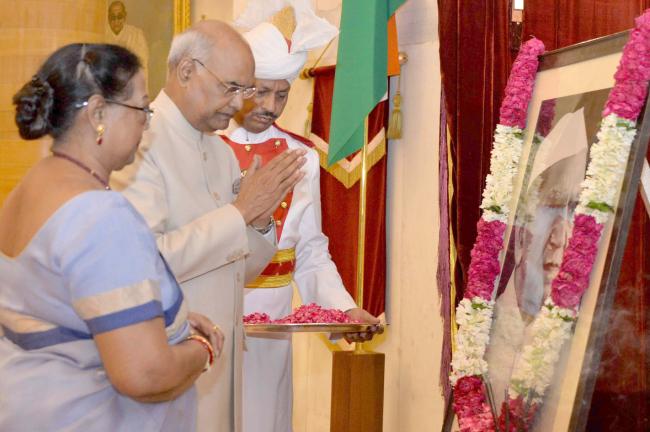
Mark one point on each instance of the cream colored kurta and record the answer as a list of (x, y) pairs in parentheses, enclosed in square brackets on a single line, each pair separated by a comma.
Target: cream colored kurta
[(267, 361), (182, 182)]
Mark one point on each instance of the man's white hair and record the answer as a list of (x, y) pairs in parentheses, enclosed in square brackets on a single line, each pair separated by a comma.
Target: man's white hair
[(189, 44)]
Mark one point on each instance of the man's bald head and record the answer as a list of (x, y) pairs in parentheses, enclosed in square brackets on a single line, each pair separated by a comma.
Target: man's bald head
[(206, 39), (205, 63), (116, 16)]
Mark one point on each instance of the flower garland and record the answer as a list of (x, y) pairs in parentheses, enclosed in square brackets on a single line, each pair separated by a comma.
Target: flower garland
[(474, 313), (534, 369)]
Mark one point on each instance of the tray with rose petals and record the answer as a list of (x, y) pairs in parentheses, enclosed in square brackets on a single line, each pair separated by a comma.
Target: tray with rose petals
[(308, 318), (311, 327)]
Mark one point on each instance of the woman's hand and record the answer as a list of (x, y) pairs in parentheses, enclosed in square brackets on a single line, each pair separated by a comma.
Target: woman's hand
[(203, 326)]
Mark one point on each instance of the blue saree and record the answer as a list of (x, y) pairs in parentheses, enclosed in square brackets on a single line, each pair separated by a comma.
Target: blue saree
[(92, 267)]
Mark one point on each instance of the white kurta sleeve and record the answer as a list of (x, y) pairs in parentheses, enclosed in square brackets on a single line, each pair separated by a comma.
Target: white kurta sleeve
[(217, 238), (316, 275)]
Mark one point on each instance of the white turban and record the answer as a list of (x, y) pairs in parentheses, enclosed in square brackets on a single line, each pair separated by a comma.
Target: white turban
[(273, 61), (273, 58)]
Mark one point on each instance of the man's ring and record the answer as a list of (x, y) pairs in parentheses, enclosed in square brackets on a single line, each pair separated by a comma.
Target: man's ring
[(216, 328)]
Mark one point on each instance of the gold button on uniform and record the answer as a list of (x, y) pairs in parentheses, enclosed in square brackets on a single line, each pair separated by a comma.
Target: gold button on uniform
[(278, 222), (243, 173), (247, 147), (283, 204), (277, 143)]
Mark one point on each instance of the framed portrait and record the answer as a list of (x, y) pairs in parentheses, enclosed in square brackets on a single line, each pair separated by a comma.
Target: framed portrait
[(564, 116), (147, 32)]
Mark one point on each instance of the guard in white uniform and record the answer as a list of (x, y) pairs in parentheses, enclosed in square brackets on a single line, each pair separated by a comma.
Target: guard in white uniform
[(303, 254)]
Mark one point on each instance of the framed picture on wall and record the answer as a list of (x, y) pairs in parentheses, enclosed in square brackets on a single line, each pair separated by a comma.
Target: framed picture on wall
[(564, 117), (147, 32)]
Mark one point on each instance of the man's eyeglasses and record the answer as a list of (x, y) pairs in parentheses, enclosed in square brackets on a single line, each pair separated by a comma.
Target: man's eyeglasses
[(230, 90), (148, 111)]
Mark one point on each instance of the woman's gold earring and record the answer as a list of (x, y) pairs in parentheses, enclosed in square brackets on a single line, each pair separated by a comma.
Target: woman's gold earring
[(100, 134)]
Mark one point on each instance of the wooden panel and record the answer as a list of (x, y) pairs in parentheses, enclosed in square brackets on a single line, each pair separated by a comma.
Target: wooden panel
[(357, 391), (30, 30)]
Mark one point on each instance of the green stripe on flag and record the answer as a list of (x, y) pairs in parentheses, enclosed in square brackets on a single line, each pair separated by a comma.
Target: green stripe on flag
[(361, 65)]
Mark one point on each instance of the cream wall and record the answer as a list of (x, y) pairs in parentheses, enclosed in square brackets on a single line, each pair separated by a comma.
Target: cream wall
[(29, 32), (413, 341), (212, 9)]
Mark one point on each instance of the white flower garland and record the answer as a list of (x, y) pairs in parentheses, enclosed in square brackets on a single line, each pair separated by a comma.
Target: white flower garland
[(474, 318), (608, 159), (533, 370), (504, 163)]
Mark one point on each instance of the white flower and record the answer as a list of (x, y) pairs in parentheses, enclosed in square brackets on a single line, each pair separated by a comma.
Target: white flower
[(534, 368), (607, 164), (504, 163), (474, 318)]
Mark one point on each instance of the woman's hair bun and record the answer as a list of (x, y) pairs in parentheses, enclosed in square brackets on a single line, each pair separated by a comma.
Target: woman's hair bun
[(34, 104)]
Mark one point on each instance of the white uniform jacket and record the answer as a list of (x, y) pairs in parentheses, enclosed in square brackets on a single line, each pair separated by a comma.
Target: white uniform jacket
[(267, 361)]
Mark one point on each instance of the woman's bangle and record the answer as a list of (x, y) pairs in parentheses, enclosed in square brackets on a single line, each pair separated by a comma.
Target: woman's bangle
[(206, 344)]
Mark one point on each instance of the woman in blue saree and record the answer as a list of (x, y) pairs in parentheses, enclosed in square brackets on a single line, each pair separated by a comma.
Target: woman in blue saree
[(94, 333)]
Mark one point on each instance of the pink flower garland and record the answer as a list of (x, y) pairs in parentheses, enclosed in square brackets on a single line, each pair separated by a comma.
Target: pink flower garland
[(573, 279), (519, 89), (470, 402), (628, 95), (484, 266), (626, 100)]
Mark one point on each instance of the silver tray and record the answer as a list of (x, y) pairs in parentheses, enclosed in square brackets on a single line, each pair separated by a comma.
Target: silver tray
[(310, 327)]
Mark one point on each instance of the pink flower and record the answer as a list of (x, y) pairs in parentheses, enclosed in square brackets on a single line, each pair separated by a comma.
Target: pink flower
[(546, 115), (573, 278), (628, 94), (484, 267), (471, 406), (257, 318), (520, 415), (519, 89), (313, 313)]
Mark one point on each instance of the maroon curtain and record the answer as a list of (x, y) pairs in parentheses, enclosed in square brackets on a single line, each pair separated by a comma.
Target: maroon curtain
[(621, 398), (474, 61)]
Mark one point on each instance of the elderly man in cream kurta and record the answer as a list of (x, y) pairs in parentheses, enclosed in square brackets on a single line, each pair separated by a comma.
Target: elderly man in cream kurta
[(185, 181)]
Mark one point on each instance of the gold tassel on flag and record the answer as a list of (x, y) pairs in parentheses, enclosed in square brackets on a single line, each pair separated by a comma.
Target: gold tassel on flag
[(396, 118), (395, 121)]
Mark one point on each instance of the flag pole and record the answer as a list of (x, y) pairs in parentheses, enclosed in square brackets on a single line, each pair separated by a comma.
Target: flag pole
[(361, 236), (358, 376)]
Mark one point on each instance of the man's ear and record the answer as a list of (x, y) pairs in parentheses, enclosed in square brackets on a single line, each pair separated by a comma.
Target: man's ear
[(184, 71)]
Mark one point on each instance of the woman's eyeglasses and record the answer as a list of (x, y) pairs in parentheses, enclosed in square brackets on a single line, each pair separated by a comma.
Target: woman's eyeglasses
[(148, 111)]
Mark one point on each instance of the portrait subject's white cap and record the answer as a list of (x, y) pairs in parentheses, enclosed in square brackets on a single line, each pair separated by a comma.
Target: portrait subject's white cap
[(275, 57), (562, 156)]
